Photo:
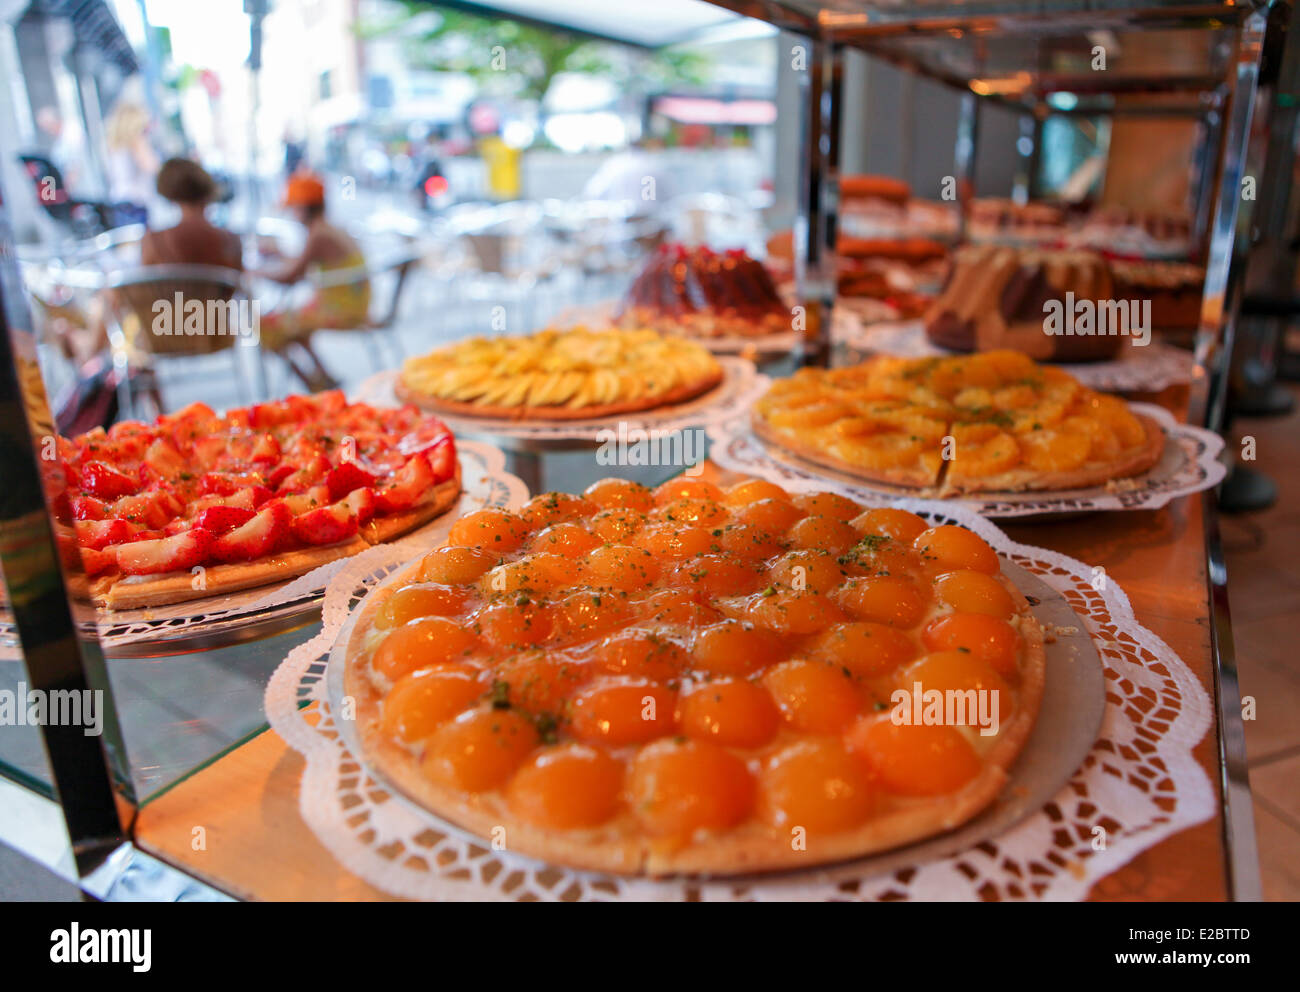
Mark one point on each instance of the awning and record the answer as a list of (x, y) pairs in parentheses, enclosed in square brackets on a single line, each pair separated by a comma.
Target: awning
[(93, 25), (649, 25)]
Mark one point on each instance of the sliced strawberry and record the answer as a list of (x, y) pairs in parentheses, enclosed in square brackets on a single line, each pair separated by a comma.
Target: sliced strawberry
[(260, 536), (88, 508), (311, 472), (344, 478), (97, 562), (167, 554), (325, 525), (316, 496), (105, 481), (62, 506), (228, 483), (278, 474), (331, 401), (219, 519), (442, 459), (146, 509), (98, 534), (206, 451), (266, 449), (362, 502), (165, 460), (264, 415), (177, 526), (68, 548), (250, 497), (406, 487)]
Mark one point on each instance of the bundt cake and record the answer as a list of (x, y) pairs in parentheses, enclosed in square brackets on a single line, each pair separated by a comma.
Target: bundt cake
[(1043, 303)]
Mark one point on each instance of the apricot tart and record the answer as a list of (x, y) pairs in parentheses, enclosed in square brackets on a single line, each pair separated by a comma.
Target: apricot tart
[(993, 422), (560, 374), (688, 679)]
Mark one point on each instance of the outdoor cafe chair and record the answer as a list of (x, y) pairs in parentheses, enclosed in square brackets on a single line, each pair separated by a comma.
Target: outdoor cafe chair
[(382, 322), (141, 332)]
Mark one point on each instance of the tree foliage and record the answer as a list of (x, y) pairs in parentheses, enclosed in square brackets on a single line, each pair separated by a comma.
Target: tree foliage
[(510, 58)]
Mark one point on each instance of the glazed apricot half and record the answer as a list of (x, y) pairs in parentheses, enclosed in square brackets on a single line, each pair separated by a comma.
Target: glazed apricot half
[(733, 647), (959, 671), (686, 488), (949, 547), (815, 785), (866, 649), (513, 622), (751, 491), (644, 653), (968, 591), (813, 696), (422, 644), (612, 494), (414, 602), (567, 538), (480, 749), (490, 530), (567, 787), (888, 521), (620, 568), (729, 711), (678, 787), (827, 533), (422, 701), (988, 638), (618, 711), (454, 565), (913, 759), (887, 599)]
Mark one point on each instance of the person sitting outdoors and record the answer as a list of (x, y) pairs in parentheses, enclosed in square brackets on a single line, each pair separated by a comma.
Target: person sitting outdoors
[(343, 305), (194, 240)]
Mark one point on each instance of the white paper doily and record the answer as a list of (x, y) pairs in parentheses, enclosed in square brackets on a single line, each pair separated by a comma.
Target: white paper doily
[(1149, 368), (1189, 464), (484, 481), (741, 385), (1138, 785)]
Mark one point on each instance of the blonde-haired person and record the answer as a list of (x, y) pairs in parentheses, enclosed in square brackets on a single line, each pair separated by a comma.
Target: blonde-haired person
[(132, 162), (327, 249)]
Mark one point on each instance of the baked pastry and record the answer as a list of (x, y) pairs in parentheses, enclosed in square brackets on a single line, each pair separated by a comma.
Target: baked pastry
[(864, 187), (994, 216), (198, 504), (705, 294), (693, 680), (994, 422), (893, 269), (1002, 297), (560, 374), (1174, 290)]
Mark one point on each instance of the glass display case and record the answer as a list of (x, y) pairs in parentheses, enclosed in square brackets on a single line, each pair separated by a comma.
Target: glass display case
[(172, 784)]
